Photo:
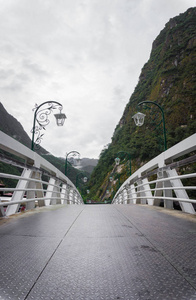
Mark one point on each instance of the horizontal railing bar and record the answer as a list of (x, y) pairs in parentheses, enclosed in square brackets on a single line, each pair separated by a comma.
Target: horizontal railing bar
[(16, 189), (33, 180), (170, 188), (14, 162), (170, 178), (4, 175), (33, 200), (31, 190), (167, 179), (165, 188), (177, 164), (166, 198), (27, 200)]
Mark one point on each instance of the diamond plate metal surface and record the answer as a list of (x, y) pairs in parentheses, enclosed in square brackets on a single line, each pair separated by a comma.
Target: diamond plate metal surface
[(98, 252)]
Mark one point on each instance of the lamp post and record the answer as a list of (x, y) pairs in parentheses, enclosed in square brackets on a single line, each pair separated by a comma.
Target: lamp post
[(111, 178), (117, 159), (139, 119), (41, 116), (74, 153)]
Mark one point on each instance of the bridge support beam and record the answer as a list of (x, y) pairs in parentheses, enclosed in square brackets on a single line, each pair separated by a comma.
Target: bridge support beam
[(18, 195), (133, 194), (50, 190), (39, 191), (147, 192), (64, 194), (180, 193)]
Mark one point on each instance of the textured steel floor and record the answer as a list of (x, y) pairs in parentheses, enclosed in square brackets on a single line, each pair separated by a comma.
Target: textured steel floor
[(98, 252)]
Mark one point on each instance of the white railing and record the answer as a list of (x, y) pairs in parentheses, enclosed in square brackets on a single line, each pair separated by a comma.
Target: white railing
[(31, 189), (158, 181)]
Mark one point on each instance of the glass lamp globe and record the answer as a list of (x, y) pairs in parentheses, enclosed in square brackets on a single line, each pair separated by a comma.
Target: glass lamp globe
[(139, 118)]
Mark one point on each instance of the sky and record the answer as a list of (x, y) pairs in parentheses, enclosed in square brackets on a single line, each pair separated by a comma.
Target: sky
[(85, 54)]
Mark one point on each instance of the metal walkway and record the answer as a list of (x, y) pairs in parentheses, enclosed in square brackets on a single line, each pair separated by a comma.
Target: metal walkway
[(98, 252)]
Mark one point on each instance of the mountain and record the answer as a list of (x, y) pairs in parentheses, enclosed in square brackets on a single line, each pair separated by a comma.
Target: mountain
[(88, 164), (10, 126), (169, 79)]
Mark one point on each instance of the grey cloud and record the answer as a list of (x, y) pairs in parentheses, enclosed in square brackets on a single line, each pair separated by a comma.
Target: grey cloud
[(34, 68), (5, 74), (12, 87)]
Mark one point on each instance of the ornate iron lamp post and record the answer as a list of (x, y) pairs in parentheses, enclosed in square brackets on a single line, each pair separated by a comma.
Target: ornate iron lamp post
[(139, 119), (74, 154), (41, 116)]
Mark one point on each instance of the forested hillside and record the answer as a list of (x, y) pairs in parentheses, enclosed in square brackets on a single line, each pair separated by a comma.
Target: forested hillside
[(169, 79)]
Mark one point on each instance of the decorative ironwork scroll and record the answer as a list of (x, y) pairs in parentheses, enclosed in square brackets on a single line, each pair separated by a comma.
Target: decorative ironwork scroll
[(41, 117)]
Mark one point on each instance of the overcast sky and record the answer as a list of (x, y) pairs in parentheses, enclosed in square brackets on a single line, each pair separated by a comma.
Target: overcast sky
[(85, 54)]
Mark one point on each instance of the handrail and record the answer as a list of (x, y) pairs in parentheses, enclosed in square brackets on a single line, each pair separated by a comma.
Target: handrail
[(58, 189), (168, 184)]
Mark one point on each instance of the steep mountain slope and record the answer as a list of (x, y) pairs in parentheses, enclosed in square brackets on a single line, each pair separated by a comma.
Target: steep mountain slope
[(169, 79)]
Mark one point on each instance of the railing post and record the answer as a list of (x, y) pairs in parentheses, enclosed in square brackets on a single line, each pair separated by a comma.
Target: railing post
[(133, 194), (64, 194), (125, 195), (167, 193), (139, 193), (70, 196), (57, 192), (2, 212), (49, 192), (31, 194), (75, 197), (18, 195), (180, 193), (159, 185), (147, 192)]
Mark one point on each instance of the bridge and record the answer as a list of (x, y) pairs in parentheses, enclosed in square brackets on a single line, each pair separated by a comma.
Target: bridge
[(139, 247)]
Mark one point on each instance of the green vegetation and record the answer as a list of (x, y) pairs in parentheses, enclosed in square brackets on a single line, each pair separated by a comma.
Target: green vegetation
[(169, 79)]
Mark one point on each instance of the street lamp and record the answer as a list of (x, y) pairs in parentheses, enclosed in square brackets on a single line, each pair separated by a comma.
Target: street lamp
[(85, 179), (117, 159), (41, 116), (139, 119), (111, 178), (73, 153)]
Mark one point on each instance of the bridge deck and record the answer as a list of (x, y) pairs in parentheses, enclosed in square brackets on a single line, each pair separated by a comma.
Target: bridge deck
[(98, 252)]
